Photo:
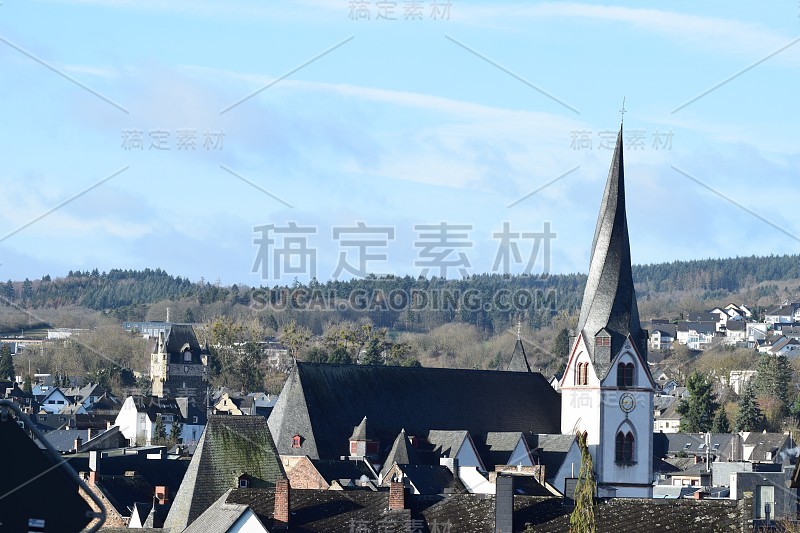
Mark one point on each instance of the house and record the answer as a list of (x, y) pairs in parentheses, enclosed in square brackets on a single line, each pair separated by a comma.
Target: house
[(305, 473), (756, 333), (662, 336), (666, 418), (785, 313), (696, 335), (766, 447), (773, 502), (139, 414), (736, 332), (234, 451), (54, 401)]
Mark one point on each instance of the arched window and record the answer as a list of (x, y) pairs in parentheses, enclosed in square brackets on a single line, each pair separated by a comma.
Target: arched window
[(625, 375), (296, 441), (582, 374), (624, 447)]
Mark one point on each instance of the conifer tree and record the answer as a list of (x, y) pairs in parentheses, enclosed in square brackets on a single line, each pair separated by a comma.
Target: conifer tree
[(697, 411), (721, 424), (160, 431), (750, 417), (6, 363), (584, 517)]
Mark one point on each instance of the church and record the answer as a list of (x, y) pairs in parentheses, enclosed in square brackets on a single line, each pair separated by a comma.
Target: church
[(331, 412)]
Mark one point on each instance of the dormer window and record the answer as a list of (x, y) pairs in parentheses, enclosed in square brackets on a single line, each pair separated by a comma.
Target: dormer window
[(296, 441), (187, 356), (602, 341), (244, 481)]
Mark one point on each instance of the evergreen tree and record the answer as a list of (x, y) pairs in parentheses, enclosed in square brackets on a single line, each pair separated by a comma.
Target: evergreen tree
[(721, 424), (175, 432), (372, 354), (772, 386), (340, 356), (27, 385), (560, 346), (750, 417), (584, 517), (9, 291), (697, 411), (159, 432), (27, 289), (6, 363)]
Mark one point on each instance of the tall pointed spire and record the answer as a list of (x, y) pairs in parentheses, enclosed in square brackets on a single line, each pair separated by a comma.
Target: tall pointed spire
[(609, 300)]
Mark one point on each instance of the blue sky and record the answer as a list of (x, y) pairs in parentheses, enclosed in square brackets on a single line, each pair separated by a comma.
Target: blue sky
[(394, 123)]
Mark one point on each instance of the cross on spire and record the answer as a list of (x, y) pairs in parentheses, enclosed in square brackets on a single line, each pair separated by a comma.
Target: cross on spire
[(622, 112)]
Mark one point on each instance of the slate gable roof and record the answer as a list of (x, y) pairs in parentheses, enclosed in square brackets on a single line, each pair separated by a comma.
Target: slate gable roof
[(230, 446), (430, 479), (325, 510), (609, 299), (401, 453), (519, 361), (324, 402)]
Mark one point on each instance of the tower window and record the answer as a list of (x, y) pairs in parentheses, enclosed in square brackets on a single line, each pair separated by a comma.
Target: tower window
[(625, 375), (296, 441), (624, 447), (602, 341), (187, 356), (582, 374)]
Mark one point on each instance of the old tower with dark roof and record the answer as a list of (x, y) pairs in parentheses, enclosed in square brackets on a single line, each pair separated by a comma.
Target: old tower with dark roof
[(607, 389), (179, 366)]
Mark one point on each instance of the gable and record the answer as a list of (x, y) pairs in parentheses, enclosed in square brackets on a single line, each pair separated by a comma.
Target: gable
[(330, 400)]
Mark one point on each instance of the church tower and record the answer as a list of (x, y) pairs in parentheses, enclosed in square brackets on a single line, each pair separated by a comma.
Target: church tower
[(607, 388)]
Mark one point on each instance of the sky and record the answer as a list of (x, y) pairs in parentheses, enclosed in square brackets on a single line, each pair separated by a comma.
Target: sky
[(393, 137)]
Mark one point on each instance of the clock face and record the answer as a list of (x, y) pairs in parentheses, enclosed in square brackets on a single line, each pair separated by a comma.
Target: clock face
[(627, 402)]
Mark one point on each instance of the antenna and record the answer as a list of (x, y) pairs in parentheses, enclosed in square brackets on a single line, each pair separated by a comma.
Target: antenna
[(622, 112)]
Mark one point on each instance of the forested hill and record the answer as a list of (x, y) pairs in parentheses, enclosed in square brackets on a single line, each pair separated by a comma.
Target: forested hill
[(128, 292)]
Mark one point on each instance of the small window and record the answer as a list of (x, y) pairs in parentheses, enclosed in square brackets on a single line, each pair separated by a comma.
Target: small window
[(187, 356), (602, 341), (296, 441), (582, 374), (624, 447), (625, 375), (353, 447), (194, 420), (185, 368), (244, 483)]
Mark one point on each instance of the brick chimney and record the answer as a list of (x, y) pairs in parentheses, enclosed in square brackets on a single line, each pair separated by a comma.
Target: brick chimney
[(78, 442), (282, 512), (397, 496), (162, 494)]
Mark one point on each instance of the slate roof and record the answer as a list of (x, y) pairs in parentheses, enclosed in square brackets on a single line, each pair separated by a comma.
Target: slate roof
[(63, 440), (519, 361), (219, 517), (550, 451), (324, 402), (325, 510), (609, 299), (177, 337), (342, 470), (401, 453), (766, 445), (230, 446), (431, 479), (665, 444), (498, 446), (447, 443), (360, 431)]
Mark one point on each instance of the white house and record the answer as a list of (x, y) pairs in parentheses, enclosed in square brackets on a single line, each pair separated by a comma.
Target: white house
[(54, 401), (138, 416)]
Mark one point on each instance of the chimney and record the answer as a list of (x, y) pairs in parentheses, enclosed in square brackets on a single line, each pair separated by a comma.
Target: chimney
[(162, 494), (88, 433), (397, 496), (504, 505), (78, 442), (282, 496)]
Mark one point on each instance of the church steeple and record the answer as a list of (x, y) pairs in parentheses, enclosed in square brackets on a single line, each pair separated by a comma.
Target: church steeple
[(609, 300)]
